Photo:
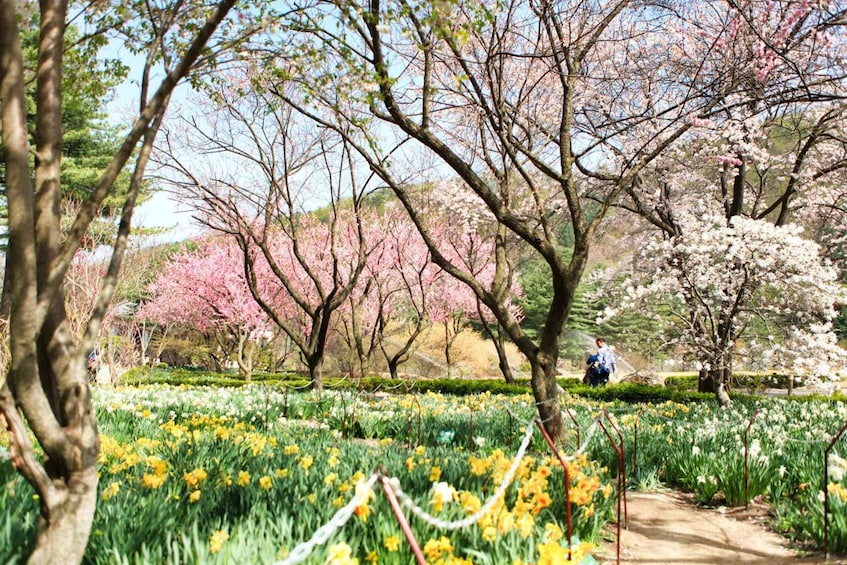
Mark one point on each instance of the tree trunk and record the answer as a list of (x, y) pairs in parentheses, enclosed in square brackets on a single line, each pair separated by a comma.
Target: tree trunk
[(245, 355), (393, 367), (502, 359), (708, 381), (64, 536), (545, 390), (315, 365), (447, 342), (715, 381)]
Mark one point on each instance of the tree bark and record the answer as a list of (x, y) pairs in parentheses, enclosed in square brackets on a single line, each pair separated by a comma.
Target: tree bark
[(544, 388), (245, 355)]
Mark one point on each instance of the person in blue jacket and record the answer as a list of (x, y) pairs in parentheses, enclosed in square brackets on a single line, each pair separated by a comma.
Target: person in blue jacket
[(601, 365)]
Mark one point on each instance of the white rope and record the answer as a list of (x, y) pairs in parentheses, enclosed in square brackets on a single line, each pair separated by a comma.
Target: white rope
[(394, 484), (591, 431), (323, 533)]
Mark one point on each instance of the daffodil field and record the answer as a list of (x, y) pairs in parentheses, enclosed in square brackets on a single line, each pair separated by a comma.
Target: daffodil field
[(265, 475), (204, 475)]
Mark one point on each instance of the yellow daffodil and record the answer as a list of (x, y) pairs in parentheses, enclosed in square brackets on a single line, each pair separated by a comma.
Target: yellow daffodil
[(436, 549), (340, 554), (111, 490), (152, 481), (306, 462), (195, 477), (392, 544), (552, 532), (216, 541), (551, 553)]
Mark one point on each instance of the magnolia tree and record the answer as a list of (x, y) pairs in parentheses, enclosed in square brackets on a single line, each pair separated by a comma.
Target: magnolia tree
[(45, 393), (748, 290), (544, 111), (779, 156), (205, 289)]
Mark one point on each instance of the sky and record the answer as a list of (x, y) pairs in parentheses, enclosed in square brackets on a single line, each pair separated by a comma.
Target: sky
[(163, 211)]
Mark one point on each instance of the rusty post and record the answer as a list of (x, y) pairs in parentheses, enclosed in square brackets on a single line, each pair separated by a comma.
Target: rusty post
[(618, 451), (401, 519), (567, 485), (619, 448), (576, 424), (826, 490)]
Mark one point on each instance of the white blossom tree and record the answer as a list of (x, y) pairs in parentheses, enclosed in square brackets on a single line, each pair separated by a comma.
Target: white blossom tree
[(778, 156), (746, 289)]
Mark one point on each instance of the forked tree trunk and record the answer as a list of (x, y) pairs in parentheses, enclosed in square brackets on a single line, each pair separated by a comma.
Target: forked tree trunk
[(502, 358), (715, 381), (315, 372)]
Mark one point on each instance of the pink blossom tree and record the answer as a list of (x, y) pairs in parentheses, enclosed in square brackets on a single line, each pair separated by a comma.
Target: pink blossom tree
[(288, 194), (205, 289)]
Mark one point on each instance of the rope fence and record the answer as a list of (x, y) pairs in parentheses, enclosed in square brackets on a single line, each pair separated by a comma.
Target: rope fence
[(606, 420), (398, 498)]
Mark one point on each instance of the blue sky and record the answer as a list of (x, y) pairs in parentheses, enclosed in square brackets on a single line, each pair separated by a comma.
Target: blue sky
[(163, 211)]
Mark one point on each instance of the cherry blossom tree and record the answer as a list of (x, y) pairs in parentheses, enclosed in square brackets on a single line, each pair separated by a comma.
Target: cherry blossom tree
[(205, 289), (423, 293), (287, 193)]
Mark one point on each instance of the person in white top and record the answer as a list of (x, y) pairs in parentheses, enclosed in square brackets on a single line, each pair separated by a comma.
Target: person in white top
[(606, 357)]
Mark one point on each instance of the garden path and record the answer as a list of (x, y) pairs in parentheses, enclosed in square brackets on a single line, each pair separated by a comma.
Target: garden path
[(668, 528)]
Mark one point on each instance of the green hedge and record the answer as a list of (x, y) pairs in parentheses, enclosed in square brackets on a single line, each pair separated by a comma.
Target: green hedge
[(621, 392)]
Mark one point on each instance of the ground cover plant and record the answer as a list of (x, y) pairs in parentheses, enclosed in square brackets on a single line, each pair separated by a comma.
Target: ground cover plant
[(210, 475)]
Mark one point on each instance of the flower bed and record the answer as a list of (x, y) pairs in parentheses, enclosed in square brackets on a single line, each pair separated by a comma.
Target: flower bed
[(203, 475)]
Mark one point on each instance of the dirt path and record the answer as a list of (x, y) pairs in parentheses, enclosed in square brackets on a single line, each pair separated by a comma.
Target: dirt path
[(667, 528)]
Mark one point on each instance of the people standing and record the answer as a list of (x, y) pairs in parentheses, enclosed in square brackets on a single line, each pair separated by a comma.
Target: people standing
[(601, 365)]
